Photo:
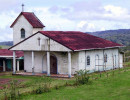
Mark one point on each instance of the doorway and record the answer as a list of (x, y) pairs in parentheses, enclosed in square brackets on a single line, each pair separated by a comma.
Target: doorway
[(53, 64)]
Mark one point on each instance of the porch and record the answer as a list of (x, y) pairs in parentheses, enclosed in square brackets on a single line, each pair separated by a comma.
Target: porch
[(36, 64), (42, 74)]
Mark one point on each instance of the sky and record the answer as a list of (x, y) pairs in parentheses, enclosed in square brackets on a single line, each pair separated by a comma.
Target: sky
[(67, 15)]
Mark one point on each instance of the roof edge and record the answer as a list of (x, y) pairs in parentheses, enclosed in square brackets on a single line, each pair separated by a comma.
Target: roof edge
[(99, 48)]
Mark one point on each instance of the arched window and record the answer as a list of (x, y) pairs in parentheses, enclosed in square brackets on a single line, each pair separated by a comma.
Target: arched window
[(105, 58), (88, 60), (22, 33)]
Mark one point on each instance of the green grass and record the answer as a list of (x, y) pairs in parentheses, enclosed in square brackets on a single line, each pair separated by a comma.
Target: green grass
[(29, 83), (115, 87), (4, 47)]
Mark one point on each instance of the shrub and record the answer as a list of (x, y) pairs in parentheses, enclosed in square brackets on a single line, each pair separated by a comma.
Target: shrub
[(82, 77)]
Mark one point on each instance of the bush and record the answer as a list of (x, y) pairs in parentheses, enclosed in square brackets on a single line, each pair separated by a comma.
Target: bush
[(82, 77)]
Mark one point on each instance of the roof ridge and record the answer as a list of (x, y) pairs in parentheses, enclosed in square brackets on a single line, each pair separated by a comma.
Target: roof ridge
[(38, 19)]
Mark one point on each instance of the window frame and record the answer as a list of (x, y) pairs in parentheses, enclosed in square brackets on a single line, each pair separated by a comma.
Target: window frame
[(88, 60), (22, 33)]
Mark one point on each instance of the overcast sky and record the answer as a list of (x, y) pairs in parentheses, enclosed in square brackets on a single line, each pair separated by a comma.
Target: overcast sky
[(68, 15)]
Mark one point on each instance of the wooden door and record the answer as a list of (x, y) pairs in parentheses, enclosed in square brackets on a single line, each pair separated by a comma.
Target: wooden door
[(53, 65)]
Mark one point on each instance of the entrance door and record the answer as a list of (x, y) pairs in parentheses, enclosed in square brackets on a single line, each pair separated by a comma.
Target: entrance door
[(53, 65), (97, 63)]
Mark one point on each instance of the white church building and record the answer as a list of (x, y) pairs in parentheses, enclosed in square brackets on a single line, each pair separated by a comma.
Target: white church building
[(61, 52)]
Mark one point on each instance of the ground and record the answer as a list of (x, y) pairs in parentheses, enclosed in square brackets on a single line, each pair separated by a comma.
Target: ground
[(112, 85)]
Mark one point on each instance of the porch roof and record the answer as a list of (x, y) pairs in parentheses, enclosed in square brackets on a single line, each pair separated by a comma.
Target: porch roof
[(8, 53)]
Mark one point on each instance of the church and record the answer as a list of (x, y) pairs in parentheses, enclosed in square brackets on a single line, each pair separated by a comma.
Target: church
[(61, 52)]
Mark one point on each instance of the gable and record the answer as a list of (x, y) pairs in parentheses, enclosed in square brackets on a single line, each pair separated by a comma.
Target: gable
[(32, 44), (22, 23), (31, 18)]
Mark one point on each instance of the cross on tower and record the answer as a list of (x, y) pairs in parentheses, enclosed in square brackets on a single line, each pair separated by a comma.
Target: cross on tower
[(22, 7)]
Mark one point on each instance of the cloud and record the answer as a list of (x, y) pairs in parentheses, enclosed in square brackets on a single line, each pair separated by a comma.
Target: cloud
[(84, 15), (54, 9), (52, 21), (86, 26), (8, 5), (94, 10), (6, 34)]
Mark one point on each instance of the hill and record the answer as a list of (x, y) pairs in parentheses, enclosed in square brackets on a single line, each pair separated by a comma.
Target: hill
[(6, 43), (121, 36)]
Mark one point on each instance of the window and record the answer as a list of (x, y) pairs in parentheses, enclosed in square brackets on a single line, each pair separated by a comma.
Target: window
[(105, 58), (88, 60), (22, 33)]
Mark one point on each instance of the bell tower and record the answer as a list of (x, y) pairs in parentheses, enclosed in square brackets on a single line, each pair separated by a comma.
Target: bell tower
[(25, 25)]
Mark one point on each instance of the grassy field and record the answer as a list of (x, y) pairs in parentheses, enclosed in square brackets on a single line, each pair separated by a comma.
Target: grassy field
[(115, 87), (107, 87)]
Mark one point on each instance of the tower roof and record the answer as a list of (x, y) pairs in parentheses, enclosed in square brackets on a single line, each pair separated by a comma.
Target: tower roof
[(31, 18)]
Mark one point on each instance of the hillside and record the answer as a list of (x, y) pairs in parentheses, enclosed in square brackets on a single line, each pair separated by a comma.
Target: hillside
[(6, 43), (121, 36)]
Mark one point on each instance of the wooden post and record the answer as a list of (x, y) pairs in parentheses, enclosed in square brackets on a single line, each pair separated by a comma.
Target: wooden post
[(69, 64), (4, 69), (17, 65), (14, 63), (48, 63)]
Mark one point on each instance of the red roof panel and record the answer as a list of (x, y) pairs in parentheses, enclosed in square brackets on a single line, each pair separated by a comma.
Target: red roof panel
[(31, 18), (6, 52), (79, 40)]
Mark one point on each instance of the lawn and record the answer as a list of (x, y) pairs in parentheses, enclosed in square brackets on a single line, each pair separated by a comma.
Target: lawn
[(112, 85)]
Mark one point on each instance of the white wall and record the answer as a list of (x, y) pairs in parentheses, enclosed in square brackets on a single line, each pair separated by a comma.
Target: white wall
[(78, 60), (93, 53), (40, 60)]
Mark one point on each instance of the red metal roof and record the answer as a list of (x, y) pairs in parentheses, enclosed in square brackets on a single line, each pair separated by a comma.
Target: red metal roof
[(31, 18), (76, 40), (79, 40), (6, 52)]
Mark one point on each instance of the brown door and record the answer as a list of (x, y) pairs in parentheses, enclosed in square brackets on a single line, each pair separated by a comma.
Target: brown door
[(53, 65)]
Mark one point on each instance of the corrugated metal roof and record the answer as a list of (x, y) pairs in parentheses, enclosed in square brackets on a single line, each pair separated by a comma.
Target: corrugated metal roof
[(6, 52), (78, 40)]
